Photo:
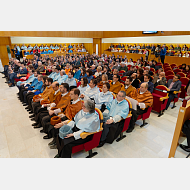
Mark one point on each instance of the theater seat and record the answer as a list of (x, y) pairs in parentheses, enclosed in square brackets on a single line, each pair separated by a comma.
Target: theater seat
[(160, 99), (184, 81), (78, 84), (126, 124), (177, 70), (169, 77), (88, 146), (145, 116), (181, 74)]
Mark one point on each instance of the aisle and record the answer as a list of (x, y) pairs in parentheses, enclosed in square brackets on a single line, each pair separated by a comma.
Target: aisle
[(19, 139)]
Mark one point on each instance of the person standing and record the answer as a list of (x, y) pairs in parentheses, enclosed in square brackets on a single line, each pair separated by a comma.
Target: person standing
[(162, 54)]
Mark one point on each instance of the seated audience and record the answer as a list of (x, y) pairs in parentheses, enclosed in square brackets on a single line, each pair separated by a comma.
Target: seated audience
[(159, 80), (91, 91), (71, 81), (173, 85), (83, 73), (144, 100), (74, 106), (115, 85), (102, 99), (114, 116), (84, 85), (86, 120), (62, 77), (103, 81), (150, 84), (128, 88), (89, 75)]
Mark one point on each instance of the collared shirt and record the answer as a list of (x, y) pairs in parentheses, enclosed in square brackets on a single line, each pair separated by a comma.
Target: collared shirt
[(74, 102), (56, 92), (126, 87), (171, 85), (71, 82), (64, 94)]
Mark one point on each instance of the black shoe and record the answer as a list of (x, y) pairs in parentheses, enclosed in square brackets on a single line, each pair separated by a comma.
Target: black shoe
[(46, 137), (37, 126), (52, 142), (3, 77), (101, 144), (54, 146), (129, 130), (24, 104), (34, 124), (31, 116), (185, 148), (33, 119), (26, 107), (42, 131), (6, 82), (56, 156), (31, 112), (12, 85)]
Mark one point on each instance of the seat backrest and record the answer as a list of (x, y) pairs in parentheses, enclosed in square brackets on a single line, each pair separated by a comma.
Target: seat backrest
[(169, 77), (114, 95), (184, 80), (177, 70), (181, 74), (122, 71), (161, 93), (130, 105), (79, 83), (169, 73), (100, 89)]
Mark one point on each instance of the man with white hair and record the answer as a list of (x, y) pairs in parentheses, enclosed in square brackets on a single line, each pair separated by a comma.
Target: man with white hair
[(93, 68), (144, 100), (62, 77), (123, 67)]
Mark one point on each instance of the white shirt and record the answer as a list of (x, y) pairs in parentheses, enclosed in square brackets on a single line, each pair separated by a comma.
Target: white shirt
[(74, 102), (56, 92)]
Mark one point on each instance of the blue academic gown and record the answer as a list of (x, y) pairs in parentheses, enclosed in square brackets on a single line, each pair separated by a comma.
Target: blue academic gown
[(77, 74)]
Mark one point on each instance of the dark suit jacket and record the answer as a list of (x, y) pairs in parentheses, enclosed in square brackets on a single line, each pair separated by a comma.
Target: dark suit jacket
[(175, 87), (135, 83)]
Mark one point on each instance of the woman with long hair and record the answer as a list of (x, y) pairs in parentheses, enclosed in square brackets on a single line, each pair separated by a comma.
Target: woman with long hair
[(83, 74)]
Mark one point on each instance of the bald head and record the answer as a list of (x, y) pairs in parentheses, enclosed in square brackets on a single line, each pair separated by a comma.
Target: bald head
[(55, 86), (143, 87)]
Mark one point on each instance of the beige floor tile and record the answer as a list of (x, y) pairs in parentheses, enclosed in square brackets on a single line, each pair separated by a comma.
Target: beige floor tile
[(3, 140), (4, 153)]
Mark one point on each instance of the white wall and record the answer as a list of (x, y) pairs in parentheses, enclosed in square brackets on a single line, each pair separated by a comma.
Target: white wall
[(182, 39), (53, 40)]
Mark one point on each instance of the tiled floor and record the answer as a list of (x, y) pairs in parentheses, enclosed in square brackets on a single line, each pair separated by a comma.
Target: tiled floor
[(19, 139)]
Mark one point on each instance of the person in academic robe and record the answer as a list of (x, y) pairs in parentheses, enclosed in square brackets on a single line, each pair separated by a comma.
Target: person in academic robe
[(103, 81), (74, 106), (32, 89), (30, 95), (102, 99), (44, 95), (91, 91), (86, 120), (144, 100), (115, 86), (60, 107), (43, 110), (173, 85), (84, 85), (114, 118), (128, 88)]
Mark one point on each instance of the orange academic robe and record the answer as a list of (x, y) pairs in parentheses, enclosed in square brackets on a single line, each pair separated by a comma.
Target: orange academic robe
[(115, 88), (54, 98), (100, 84), (67, 71), (46, 92), (73, 109), (130, 91), (64, 101), (145, 98)]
